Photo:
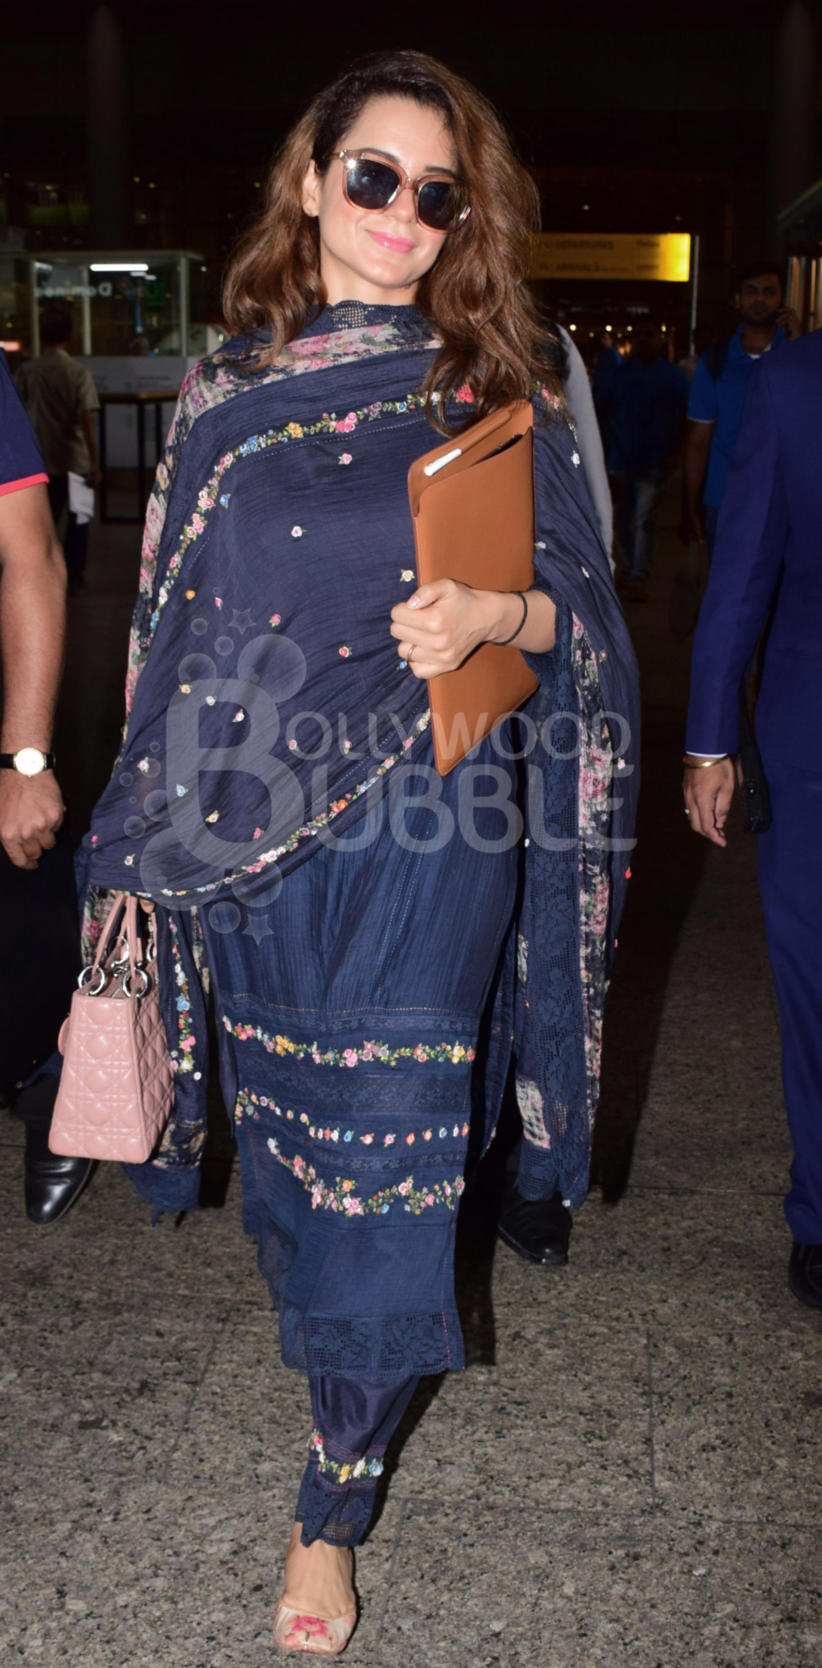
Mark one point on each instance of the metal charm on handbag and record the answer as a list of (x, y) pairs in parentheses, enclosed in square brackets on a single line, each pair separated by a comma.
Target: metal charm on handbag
[(116, 1086)]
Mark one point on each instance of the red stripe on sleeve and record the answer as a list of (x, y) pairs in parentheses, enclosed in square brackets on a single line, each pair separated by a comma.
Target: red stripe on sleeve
[(17, 486)]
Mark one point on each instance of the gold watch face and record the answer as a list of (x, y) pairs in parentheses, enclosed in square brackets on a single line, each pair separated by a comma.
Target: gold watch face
[(29, 761)]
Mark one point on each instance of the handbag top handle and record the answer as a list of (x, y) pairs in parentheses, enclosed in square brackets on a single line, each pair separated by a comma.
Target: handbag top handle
[(130, 934)]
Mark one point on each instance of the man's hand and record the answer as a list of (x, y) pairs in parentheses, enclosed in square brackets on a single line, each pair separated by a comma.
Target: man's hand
[(32, 623), (708, 793), (789, 323), (31, 811)]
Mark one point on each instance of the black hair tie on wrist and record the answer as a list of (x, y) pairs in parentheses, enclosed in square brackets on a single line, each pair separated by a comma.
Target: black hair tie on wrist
[(524, 600)]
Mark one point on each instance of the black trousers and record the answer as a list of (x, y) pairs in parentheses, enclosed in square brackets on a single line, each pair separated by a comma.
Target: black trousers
[(40, 959)]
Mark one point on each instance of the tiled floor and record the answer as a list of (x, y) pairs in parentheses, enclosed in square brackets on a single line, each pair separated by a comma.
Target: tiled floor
[(627, 1474)]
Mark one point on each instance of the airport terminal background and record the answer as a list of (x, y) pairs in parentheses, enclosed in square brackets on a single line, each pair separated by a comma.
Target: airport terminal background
[(628, 1474)]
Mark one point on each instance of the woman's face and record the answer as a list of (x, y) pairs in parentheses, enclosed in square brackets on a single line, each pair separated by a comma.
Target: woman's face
[(380, 256)]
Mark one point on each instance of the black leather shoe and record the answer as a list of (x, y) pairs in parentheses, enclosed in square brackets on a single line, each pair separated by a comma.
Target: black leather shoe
[(537, 1229), (805, 1274), (51, 1183)]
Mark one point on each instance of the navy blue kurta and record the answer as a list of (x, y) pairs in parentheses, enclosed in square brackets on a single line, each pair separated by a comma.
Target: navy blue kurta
[(275, 794)]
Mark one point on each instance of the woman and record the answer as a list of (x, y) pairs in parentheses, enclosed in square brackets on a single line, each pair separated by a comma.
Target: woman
[(275, 792)]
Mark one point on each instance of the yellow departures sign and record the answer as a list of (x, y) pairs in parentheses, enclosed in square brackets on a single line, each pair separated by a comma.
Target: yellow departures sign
[(661, 256)]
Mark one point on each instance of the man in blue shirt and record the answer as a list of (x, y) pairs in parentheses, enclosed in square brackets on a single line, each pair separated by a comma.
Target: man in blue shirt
[(37, 904), (718, 394), (644, 400)]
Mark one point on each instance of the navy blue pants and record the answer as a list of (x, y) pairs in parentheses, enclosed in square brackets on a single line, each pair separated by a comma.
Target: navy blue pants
[(354, 1420), (349, 1002), (790, 882)]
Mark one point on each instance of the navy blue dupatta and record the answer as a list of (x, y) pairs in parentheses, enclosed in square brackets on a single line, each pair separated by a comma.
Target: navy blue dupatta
[(256, 723)]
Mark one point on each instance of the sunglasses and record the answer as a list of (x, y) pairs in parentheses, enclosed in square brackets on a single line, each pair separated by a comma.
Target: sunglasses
[(372, 184)]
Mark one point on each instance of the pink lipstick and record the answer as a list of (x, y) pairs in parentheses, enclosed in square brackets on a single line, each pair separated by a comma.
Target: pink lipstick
[(402, 245)]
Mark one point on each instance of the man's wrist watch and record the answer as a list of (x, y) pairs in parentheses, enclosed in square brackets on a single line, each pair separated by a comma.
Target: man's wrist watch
[(28, 761)]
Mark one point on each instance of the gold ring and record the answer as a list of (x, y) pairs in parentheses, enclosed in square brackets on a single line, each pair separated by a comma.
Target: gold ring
[(410, 655)]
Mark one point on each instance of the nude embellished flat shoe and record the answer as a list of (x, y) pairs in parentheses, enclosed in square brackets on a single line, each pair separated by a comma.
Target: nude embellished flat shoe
[(294, 1630)]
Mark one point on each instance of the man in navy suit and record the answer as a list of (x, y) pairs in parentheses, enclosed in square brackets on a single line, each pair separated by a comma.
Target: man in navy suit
[(769, 553)]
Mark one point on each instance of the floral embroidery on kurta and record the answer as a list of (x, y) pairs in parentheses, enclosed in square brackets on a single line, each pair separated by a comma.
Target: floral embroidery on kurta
[(248, 1104), (369, 1053), (341, 1194)]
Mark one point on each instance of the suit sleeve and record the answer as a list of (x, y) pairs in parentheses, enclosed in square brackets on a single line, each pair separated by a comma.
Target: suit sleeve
[(750, 545)]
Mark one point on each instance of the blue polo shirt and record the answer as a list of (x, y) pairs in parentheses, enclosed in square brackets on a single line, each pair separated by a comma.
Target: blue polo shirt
[(21, 460), (720, 401)]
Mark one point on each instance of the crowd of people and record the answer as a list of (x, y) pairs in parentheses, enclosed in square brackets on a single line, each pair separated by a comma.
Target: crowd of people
[(427, 936)]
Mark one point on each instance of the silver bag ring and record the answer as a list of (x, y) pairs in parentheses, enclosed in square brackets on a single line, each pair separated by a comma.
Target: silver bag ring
[(140, 973), (88, 975)]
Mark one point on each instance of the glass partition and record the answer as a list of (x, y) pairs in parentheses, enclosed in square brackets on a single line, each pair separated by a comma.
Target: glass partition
[(127, 305), (15, 301)]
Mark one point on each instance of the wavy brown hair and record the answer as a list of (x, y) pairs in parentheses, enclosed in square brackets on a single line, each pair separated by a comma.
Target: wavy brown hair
[(474, 295)]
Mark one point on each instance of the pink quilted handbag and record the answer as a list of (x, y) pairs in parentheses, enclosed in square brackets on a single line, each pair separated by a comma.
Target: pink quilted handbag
[(116, 1085)]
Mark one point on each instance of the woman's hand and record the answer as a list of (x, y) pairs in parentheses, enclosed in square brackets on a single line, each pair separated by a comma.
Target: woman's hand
[(708, 793), (442, 623)]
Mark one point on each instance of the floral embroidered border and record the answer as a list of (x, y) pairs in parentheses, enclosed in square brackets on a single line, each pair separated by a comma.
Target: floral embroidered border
[(342, 1197), (370, 1053), (183, 1055), (342, 1471), (596, 767), (249, 1106)]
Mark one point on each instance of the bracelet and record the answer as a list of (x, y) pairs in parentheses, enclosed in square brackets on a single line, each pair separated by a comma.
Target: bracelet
[(500, 644), (703, 764)]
